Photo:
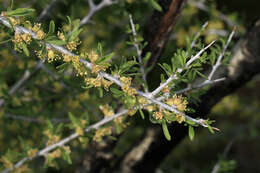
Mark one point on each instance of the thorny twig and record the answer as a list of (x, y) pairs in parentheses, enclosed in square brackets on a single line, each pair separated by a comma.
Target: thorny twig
[(139, 52)]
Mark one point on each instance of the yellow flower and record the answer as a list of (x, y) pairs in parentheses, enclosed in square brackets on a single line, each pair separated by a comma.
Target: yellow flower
[(17, 38), (93, 56), (55, 154), (106, 84), (51, 55), (72, 45), (36, 27), (131, 112), (79, 131), (102, 132), (27, 38), (107, 110), (61, 36), (14, 21), (67, 149), (66, 58), (7, 163), (96, 82), (40, 35), (32, 152), (126, 80), (158, 115), (180, 118)]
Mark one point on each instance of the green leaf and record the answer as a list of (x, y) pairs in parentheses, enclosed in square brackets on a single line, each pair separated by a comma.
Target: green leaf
[(141, 113), (156, 5), (202, 75), (66, 157), (191, 133), (126, 66), (105, 58), (74, 120), (100, 49), (117, 93), (62, 67), (20, 12), (75, 34), (25, 49), (100, 92), (166, 131), (51, 27)]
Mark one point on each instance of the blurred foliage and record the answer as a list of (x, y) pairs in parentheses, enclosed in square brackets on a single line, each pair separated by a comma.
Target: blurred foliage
[(44, 98)]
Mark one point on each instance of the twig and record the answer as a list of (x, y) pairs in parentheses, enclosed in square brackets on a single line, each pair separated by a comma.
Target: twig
[(94, 8), (179, 70), (37, 120), (21, 81), (198, 34), (218, 63), (226, 150), (46, 9), (148, 96), (139, 52), (201, 85)]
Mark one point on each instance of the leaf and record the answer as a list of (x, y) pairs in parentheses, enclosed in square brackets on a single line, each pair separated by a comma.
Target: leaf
[(100, 92), (66, 157), (62, 67), (126, 66), (202, 75), (74, 120), (191, 133), (156, 5), (105, 58), (51, 27), (75, 34), (141, 113), (166, 131), (117, 93), (25, 49), (20, 12)]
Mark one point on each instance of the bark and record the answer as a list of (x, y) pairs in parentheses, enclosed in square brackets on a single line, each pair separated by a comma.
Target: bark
[(245, 65), (160, 26)]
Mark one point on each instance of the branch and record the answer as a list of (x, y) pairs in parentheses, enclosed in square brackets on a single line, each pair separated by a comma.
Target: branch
[(32, 120), (179, 70), (218, 63), (113, 79), (46, 10), (94, 8), (160, 26), (139, 52)]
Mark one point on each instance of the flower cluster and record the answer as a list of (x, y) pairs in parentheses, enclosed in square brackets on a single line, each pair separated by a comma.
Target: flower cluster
[(181, 104), (126, 87), (98, 82), (107, 110), (52, 139), (79, 129), (32, 152), (39, 32), (102, 132)]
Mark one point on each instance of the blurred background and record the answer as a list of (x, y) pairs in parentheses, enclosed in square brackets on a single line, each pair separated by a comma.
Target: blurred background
[(234, 149)]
